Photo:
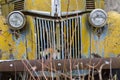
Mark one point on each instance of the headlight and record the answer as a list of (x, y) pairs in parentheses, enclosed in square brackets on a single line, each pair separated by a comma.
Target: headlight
[(16, 20), (98, 18)]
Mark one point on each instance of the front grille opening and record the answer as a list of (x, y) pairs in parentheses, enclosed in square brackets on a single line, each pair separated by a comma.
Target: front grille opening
[(58, 40), (19, 5)]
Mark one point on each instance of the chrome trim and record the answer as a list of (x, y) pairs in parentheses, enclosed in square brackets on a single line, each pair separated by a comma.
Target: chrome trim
[(47, 15)]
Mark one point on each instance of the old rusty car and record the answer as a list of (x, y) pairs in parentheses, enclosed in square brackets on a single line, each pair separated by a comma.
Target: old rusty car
[(58, 40)]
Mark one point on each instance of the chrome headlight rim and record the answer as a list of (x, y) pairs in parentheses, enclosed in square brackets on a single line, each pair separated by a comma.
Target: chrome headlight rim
[(103, 14), (18, 27)]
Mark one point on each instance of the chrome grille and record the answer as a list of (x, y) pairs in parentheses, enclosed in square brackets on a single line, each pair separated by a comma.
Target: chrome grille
[(59, 40)]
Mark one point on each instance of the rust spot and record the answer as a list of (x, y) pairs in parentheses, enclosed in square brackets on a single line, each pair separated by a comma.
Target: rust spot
[(11, 50), (118, 55), (9, 44), (95, 55), (0, 32)]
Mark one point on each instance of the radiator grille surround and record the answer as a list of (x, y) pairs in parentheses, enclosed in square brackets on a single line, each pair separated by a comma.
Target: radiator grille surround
[(58, 40)]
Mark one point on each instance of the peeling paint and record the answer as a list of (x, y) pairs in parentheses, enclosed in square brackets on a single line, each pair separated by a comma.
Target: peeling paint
[(105, 44)]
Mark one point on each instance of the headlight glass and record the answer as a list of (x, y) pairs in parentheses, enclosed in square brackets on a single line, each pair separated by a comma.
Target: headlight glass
[(16, 20), (98, 18)]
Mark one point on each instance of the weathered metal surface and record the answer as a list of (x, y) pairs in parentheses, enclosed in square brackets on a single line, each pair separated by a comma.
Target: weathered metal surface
[(22, 44), (62, 65)]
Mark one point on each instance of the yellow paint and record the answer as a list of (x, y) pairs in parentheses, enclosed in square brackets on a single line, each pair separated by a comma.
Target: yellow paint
[(5, 39), (85, 37), (6, 8), (73, 5), (43, 5), (109, 46), (19, 46), (99, 4), (112, 40), (31, 39)]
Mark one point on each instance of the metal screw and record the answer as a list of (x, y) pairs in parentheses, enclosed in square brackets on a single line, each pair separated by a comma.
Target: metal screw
[(59, 64), (11, 65)]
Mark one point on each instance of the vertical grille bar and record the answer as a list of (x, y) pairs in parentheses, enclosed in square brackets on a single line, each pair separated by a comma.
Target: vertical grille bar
[(49, 31), (62, 38), (43, 29), (46, 30), (36, 36), (79, 39), (67, 39), (41, 38), (54, 32), (51, 38), (70, 38), (73, 33), (76, 26)]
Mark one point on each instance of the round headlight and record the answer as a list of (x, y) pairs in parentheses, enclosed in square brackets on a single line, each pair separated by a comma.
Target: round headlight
[(16, 20), (98, 18)]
